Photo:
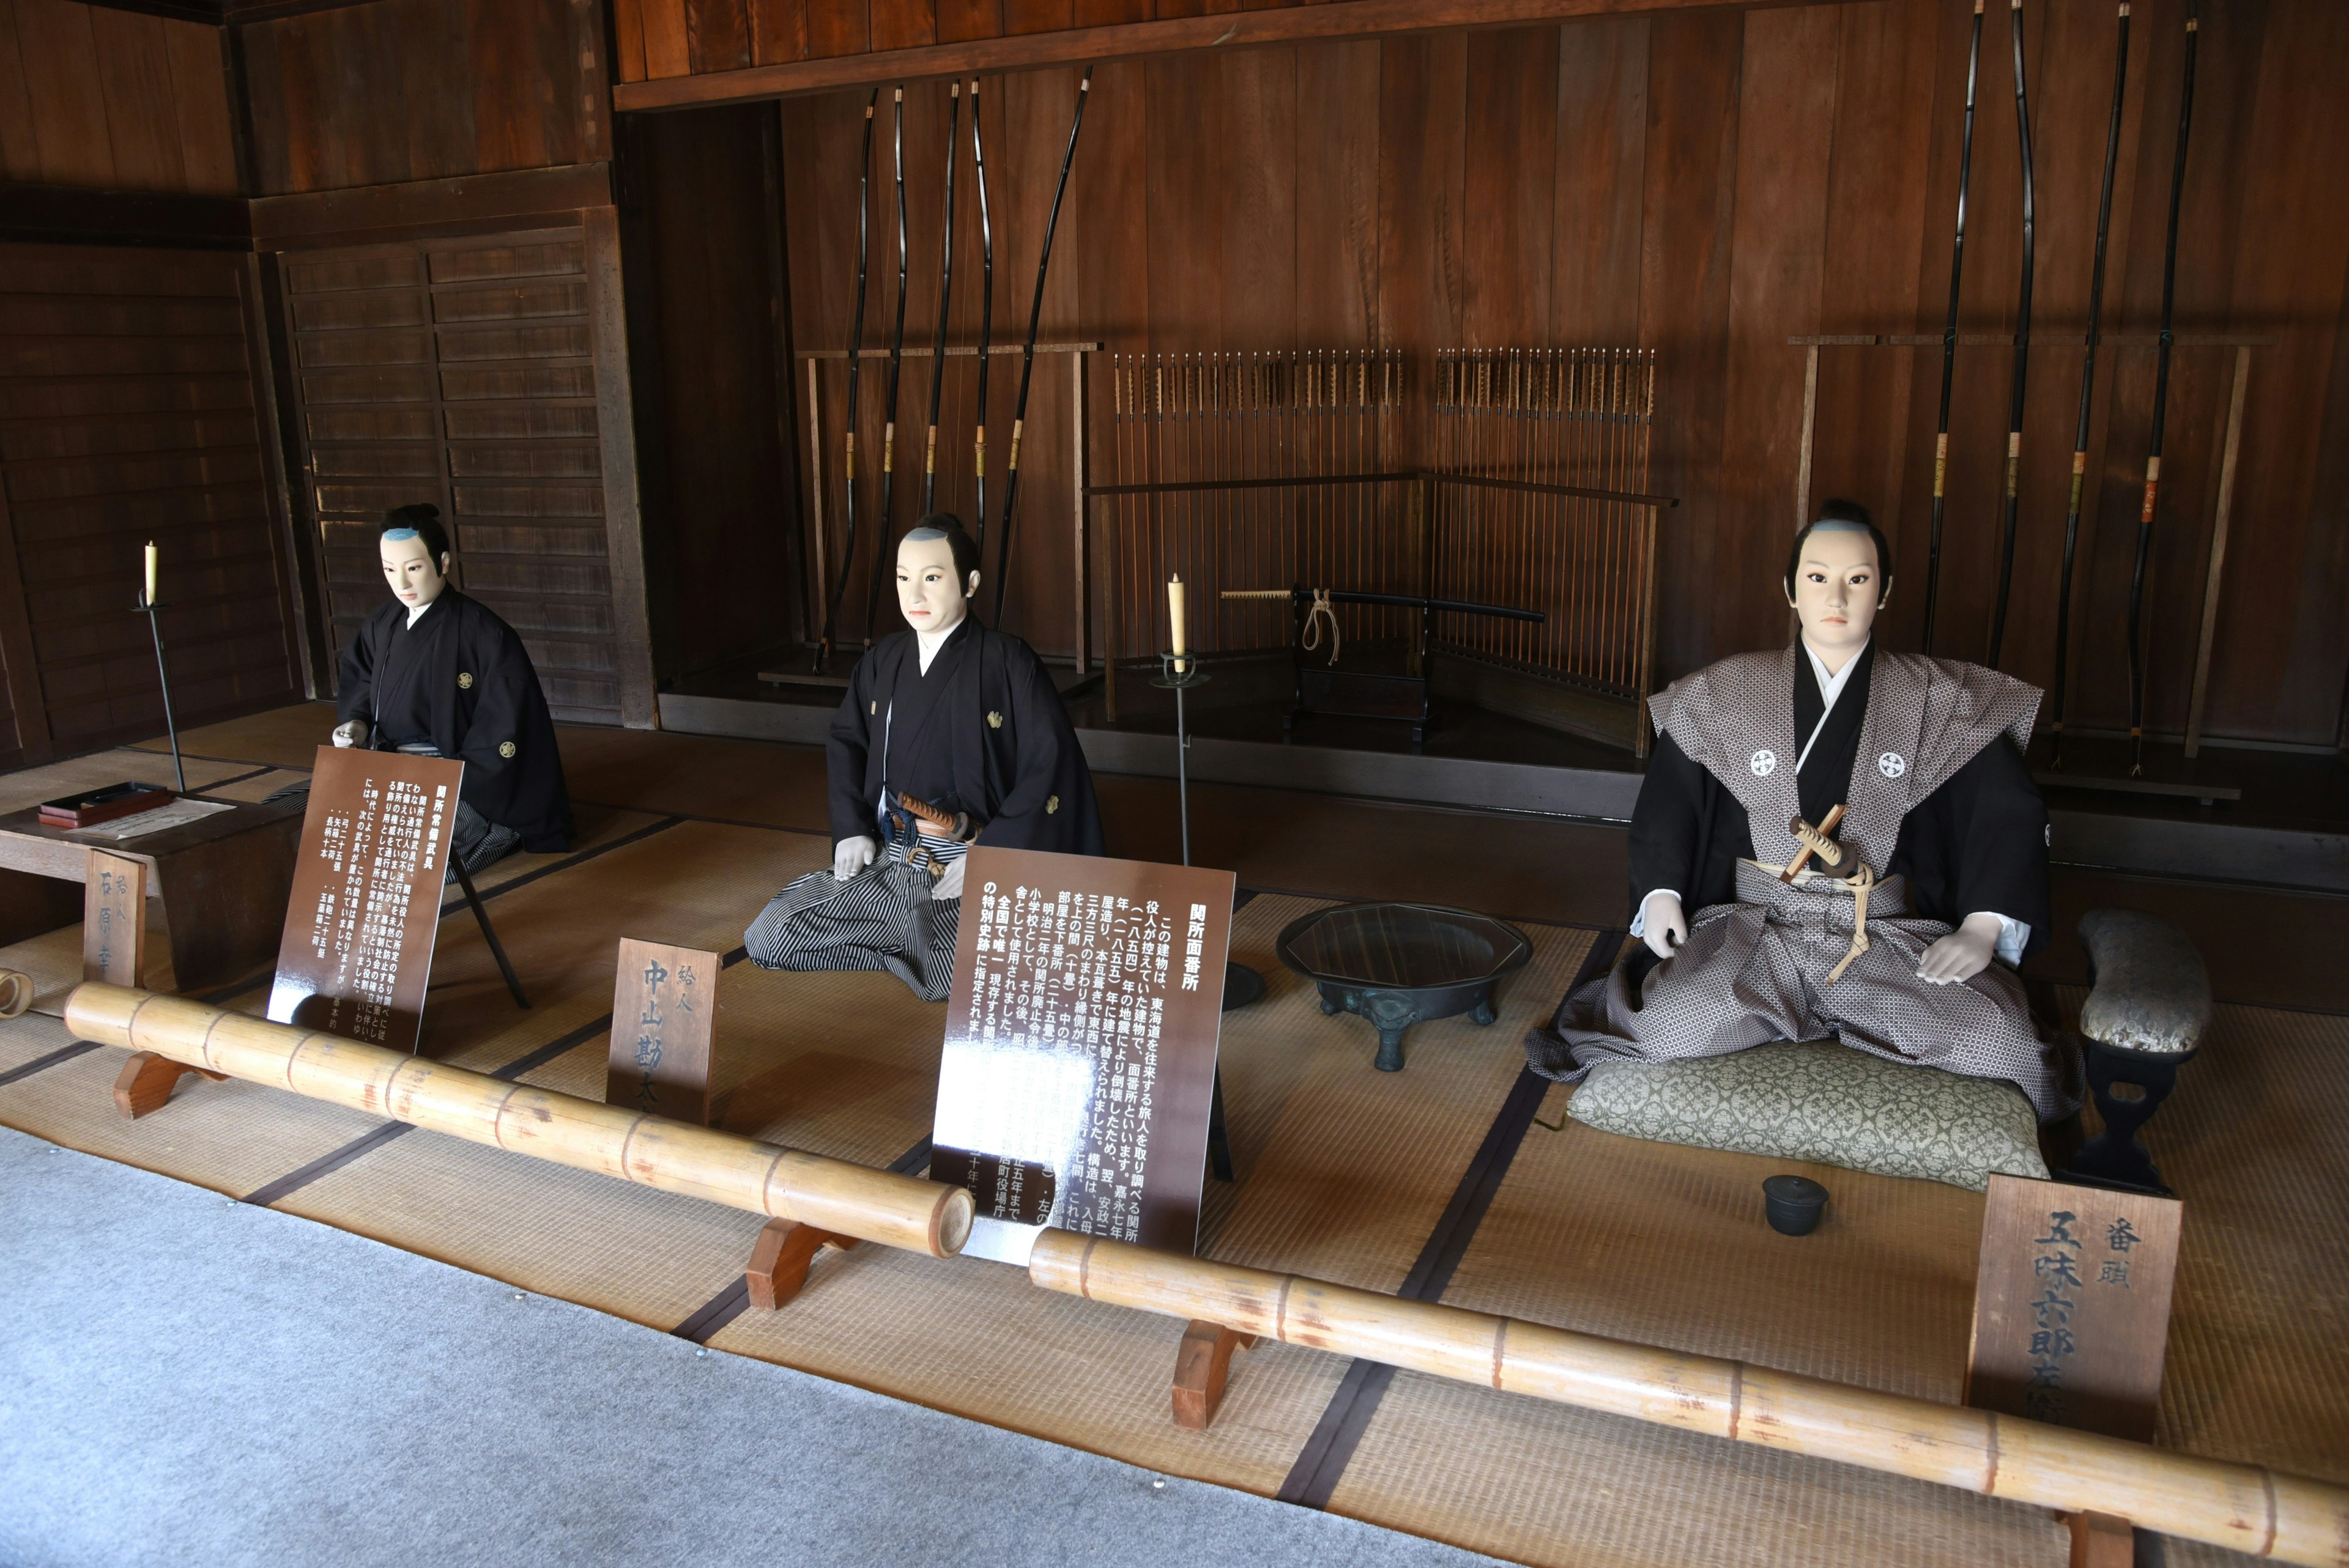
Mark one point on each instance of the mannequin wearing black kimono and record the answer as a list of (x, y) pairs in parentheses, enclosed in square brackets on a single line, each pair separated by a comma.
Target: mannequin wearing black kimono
[(459, 683), (980, 733)]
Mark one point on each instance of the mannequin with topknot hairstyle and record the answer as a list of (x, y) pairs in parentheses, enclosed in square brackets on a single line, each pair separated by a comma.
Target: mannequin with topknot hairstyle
[(965, 725), (434, 671), (1901, 932)]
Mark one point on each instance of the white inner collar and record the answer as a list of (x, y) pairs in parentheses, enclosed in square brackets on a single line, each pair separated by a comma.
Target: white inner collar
[(418, 613), (1830, 688), (929, 643)]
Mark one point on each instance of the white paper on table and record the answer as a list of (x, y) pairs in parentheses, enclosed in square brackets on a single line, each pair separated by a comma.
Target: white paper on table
[(178, 814)]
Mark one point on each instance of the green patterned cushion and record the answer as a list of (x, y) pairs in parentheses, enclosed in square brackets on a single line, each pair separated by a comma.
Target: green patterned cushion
[(1822, 1102)]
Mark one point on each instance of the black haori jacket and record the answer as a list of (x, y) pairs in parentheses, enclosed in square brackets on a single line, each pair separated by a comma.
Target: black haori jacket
[(983, 732), (466, 683)]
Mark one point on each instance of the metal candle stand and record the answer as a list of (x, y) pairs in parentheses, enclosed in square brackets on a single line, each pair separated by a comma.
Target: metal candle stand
[(1178, 673), (143, 607)]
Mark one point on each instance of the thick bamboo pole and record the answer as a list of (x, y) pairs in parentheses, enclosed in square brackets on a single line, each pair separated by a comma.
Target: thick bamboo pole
[(2242, 1507), (650, 1151)]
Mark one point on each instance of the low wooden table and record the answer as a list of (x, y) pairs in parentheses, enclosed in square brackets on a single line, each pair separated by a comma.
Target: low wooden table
[(223, 880)]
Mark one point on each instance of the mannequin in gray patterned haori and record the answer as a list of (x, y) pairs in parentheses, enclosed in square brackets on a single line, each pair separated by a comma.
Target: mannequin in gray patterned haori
[(1906, 950)]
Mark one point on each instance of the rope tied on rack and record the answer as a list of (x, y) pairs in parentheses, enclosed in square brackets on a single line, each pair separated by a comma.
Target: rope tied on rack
[(1321, 610)]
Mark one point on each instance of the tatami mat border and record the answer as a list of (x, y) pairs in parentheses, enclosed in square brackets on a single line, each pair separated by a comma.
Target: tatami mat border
[(1313, 1479), (734, 1300)]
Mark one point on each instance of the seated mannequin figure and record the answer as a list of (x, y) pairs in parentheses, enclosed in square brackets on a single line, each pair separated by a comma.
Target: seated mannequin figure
[(1938, 883), (434, 673), (950, 735)]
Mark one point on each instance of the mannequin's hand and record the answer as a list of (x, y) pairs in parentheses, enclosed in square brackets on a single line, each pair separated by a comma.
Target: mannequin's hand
[(351, 733), (1963, 954), (1667, 924), (851, 855), (949, 886)]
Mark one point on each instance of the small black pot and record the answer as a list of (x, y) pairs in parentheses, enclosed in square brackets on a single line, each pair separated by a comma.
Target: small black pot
[(1795, 1204)]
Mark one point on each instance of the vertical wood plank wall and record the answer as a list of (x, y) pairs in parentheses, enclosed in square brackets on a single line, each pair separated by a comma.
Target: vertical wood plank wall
[(128, 414), (1706, 185), (404, 90), (112, 99)]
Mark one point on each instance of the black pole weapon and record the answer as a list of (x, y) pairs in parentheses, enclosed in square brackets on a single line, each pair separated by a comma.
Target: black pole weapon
[(855, 346), (2022, 348), (1028, 354), (896, 364), (985, 321), (945, 297), (2088, 389), (2160, 404), (1949, 336)]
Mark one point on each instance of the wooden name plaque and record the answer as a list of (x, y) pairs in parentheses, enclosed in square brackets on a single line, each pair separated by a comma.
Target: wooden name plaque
[(664, 1018), (2072, 1305), (114, 919), (366, 909), (1079, 1063)]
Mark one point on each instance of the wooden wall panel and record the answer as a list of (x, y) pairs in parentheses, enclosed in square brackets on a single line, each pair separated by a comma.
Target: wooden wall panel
[(128, 414), (402, 91), (95, 97), (461, 372), (1706, 185), (728, 537)]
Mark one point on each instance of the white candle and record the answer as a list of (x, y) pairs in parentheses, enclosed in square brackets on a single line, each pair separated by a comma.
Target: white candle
[(1174, 608), (150, 573)]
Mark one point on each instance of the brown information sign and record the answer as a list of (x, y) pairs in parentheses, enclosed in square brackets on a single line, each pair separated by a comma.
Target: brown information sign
[(1079, 1063), (2072, 1305), (114, 919), (366, 908), (664, 1013)]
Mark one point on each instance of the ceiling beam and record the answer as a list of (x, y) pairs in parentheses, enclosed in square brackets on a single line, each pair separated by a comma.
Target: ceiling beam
[(1134, 40)]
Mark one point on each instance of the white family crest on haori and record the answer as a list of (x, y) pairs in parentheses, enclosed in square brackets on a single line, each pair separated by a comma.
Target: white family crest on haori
[(1893, 765), (1764, 762)]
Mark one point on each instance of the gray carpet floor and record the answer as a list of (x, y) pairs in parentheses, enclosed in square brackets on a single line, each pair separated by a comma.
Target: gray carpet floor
[(185, 1379)]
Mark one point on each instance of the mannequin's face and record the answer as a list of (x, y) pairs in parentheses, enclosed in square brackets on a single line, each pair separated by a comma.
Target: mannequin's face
[(1837, 587), (416, 579), (926, 590)]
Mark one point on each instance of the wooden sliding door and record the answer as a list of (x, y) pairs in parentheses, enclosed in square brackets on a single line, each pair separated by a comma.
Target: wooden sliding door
[(483, 373)]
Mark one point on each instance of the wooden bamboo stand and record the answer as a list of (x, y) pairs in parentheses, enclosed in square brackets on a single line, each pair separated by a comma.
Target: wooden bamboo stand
[(2231, 445), (2242, 1507), (1203, 1365), (833, 1195), (778, 1264)]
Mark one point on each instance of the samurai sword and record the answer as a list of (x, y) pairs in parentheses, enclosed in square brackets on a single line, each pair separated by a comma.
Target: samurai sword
[(2160, 404), (855, 346), (985, 321), (2088, 389), (1407, 601), (1028, 354), (2022, 348), (1949, 336), (945, 297), (896, 365)]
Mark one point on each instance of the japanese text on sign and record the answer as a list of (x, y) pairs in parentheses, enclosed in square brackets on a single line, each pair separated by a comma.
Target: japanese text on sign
[(1079, 1059), (361, 928)]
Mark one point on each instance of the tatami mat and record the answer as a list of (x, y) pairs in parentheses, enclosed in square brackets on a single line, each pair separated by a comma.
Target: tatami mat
[(287, 737), (231, 1136), (1345, 1170), (1344, 1173), (1546, 1484), (977, 1339)]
